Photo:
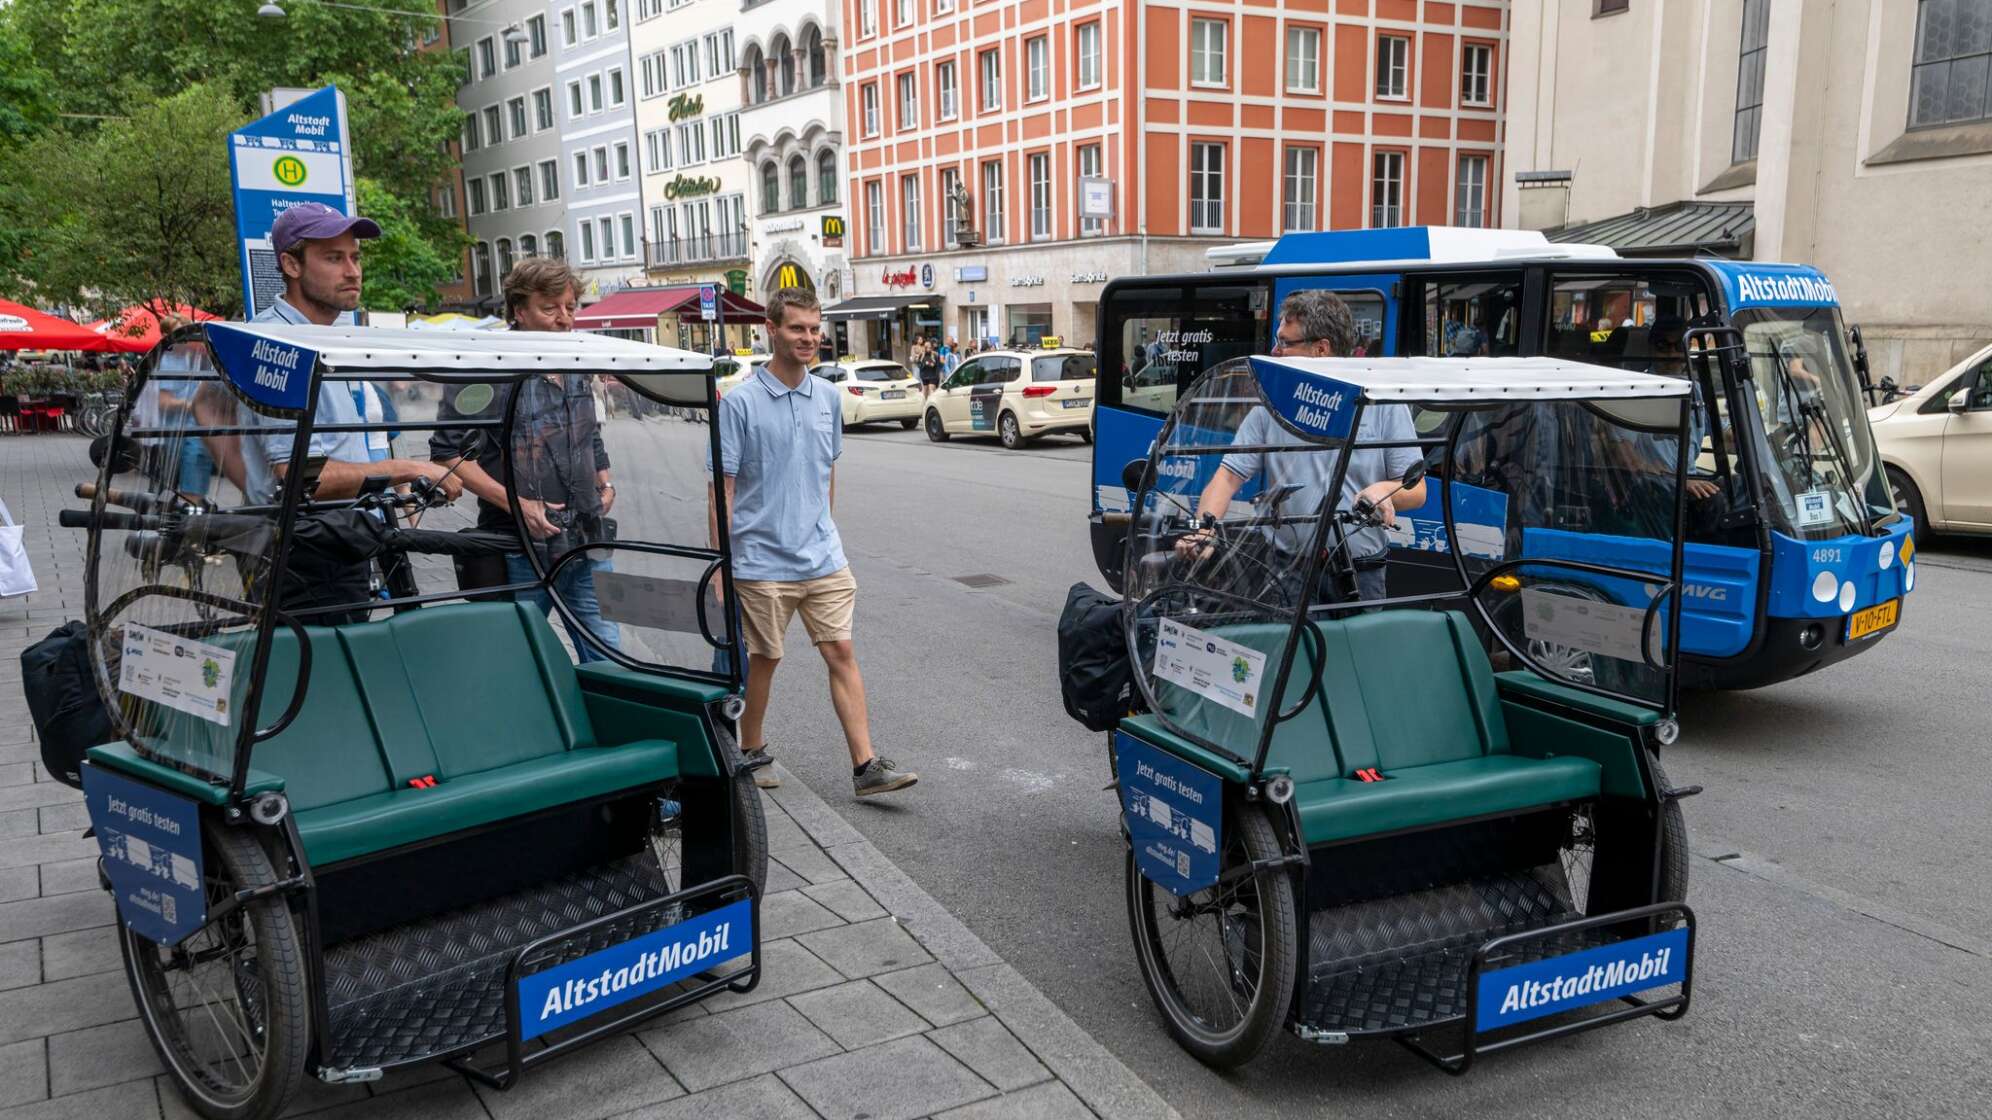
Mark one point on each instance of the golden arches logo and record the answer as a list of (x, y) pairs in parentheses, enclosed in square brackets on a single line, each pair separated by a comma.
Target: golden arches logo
[(790, 276), (833, 226), (289, 171)]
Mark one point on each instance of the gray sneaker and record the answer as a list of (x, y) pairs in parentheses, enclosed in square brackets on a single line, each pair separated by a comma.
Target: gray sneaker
[(882, 775), (764, 769)]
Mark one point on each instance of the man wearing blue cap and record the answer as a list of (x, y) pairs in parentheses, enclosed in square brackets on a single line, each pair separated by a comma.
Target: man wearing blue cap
[(318, 249)]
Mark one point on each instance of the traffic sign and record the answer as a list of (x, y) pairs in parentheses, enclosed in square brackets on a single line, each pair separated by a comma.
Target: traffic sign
[(709, 302), (298, 153)]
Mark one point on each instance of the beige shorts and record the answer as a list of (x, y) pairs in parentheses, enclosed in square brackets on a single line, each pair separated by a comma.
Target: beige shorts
[(766, 606)]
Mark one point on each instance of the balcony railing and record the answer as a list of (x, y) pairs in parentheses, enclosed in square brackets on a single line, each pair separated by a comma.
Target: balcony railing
[(702, 249)]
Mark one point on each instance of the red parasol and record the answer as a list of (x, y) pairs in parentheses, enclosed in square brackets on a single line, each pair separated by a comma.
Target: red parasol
[(24, 328), (136, 329)]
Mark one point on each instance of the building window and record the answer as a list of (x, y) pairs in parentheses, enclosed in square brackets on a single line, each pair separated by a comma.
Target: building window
[(549, 181), (992, 201), (481, 257), (543, 109), (1297, 211), (1750, 79), (819, 59), (909, 209), (516, 109), (874, 217), (474, 188), (991, 63), (512, 54), (574, 106), (611, 15), (494, 125), (1037, 68), (617, 94), (1303, 59), (522, 185), (903, 12), (1387, 190), (771, 189), (684, 65), (472, 133), (826, 177), (505, 258), (536, 32), (869, 97), (1476, 74), (798, 183), (691, 143), (950, 226), (501, 192), (1948, 84), (1091, 166), (1040, 172), (446, 201), (1610, 7), (622, 159), (587, 242), (567, 36), (556, 245), (528, 245), (487, 57), (726, 135), (719, 52), (909, 104), (1206, 188), (1089, 55), (627, 222), (1470, 207), (1393, 66), (608, 237), (601, 165), (589, 26), (867, 17), (580, 169), (1207, 51), (944, 85), (657, 150)]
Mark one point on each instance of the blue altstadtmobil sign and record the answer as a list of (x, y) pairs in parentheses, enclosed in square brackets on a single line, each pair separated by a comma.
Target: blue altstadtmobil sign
[(1748, 284), (300, 153), (1319, 406), (637, 967), (151, 844), (274, 376), (1530, 991), (1174, 813)]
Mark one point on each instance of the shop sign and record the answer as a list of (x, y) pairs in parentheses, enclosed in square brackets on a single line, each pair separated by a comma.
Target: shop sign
[(927, 277), (904, 278), (833, 231), (1089, 278), (792, 275), (686, 186), (686, 105), (736, 281), (1096, 197), (1027, 281), (792, 225), (972, 274)]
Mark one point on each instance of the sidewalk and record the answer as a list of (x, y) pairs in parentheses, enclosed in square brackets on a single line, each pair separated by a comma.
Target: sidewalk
[(875, 1002)]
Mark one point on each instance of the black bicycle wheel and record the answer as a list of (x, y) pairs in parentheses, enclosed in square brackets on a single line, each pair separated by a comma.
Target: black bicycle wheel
[(227, 1008), (1579, 852), (1219, 963), (750, 824)]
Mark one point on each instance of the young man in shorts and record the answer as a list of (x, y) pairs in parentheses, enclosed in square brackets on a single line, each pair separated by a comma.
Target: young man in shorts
[(780, 434)]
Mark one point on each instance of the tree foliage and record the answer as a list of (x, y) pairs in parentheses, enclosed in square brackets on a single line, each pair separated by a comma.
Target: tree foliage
[(403, 267), (115, 58)]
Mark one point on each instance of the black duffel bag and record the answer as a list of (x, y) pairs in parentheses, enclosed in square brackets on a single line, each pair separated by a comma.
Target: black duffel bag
[(1095, 677), (69, 714)]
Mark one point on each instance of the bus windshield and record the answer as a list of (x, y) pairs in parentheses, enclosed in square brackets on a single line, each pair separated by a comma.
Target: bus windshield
[(1821, 475)]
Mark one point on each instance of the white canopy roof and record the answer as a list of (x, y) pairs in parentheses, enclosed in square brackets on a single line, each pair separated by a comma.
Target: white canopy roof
[(440, 353), (1485, 380)]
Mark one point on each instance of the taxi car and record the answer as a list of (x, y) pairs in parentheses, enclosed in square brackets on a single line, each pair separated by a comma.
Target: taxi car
[(732, 370), (1016, 395), (1936, 443), (874, 390)]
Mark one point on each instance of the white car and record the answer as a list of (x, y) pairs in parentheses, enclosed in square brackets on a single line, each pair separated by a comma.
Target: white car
[(874, 390), (1016, 395), (734, 369), (1936, 443)]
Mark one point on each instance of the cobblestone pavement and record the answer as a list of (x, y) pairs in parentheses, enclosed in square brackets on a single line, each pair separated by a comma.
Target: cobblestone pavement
[(875, 1002)]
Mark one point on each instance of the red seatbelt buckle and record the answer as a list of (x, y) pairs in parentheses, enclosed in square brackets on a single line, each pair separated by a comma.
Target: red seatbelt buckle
[(426, 781), (1369, 775)]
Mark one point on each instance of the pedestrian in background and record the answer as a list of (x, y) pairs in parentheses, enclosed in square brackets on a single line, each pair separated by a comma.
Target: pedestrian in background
[(930, 365), (781, 432), (950, 357)]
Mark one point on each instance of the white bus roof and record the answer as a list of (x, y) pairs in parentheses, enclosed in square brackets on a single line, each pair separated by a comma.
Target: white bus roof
[(1384, 248), (347, 349)]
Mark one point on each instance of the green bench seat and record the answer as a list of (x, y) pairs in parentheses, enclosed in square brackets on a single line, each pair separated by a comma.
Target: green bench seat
[(1408, 693), (479, 697)]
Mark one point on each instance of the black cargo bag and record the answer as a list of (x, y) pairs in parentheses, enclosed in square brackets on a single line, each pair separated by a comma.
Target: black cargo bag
[(69, 715), (1094, 674)]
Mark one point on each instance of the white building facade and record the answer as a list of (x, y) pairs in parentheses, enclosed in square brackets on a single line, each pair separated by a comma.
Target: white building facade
[(595, 94), (794, 128), (514, 194)]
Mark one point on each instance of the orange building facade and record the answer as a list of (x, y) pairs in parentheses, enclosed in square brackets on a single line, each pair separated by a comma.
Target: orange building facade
[(1007, 157)]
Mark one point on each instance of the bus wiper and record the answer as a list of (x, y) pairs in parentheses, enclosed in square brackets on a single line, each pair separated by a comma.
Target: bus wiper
[(1810, 412)]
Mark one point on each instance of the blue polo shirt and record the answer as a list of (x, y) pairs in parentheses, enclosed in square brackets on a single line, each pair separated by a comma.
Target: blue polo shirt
[(339, 402), (778, 444)]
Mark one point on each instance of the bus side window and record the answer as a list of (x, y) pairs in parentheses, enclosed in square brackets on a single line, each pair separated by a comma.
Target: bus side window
[(1472, 319)]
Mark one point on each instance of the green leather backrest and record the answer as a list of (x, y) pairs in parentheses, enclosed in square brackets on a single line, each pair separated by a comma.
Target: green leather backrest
[(570, 711), (1423, 697), (1303, 746), (479, 686), (328, 753), (390, 701)]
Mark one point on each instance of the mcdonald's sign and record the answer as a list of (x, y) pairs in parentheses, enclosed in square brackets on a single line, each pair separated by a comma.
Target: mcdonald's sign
[(833, 231), (792, 275)]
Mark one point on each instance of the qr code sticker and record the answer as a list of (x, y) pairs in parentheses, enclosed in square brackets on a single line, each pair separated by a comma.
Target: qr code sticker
[(1183, 864), (169, 908)]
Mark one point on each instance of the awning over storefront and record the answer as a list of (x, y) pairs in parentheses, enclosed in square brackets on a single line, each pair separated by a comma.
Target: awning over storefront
[(876, 307), (1676, 230), (638, 308)]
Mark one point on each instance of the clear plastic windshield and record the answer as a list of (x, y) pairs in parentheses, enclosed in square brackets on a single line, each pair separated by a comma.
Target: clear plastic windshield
[(1821, 475)]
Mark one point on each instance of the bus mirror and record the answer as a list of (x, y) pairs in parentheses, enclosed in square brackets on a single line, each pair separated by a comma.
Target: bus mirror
[(1131, 474), (1860, 356)]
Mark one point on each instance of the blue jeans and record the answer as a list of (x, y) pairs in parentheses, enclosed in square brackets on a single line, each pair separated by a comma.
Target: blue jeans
[(576, 586)]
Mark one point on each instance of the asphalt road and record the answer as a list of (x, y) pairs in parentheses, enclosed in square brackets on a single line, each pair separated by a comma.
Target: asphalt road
[(1842, 876)]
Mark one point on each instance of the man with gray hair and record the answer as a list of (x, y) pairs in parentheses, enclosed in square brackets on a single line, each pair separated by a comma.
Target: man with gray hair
[(1317, 324)]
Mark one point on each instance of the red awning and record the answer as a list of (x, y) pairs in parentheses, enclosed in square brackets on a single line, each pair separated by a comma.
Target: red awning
[(136, 328), (639, 308), (24, 328)]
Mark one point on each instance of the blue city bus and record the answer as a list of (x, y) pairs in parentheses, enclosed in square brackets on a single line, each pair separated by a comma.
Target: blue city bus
[(1796, 554)]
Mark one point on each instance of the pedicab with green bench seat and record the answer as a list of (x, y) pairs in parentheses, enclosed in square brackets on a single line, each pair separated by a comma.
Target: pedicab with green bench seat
[(1341, 818), (421, 832)]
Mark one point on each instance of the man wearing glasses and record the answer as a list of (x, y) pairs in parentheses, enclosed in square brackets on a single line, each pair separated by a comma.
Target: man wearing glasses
[(1317, 324)]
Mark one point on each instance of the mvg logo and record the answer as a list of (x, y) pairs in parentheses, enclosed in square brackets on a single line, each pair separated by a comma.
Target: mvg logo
[(1699, 592)]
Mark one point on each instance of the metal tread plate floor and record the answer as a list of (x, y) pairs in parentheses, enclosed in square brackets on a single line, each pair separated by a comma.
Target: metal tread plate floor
[(437, 987)]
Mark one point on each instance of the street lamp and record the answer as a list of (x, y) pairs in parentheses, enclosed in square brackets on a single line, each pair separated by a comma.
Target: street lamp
[(514, 34)]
